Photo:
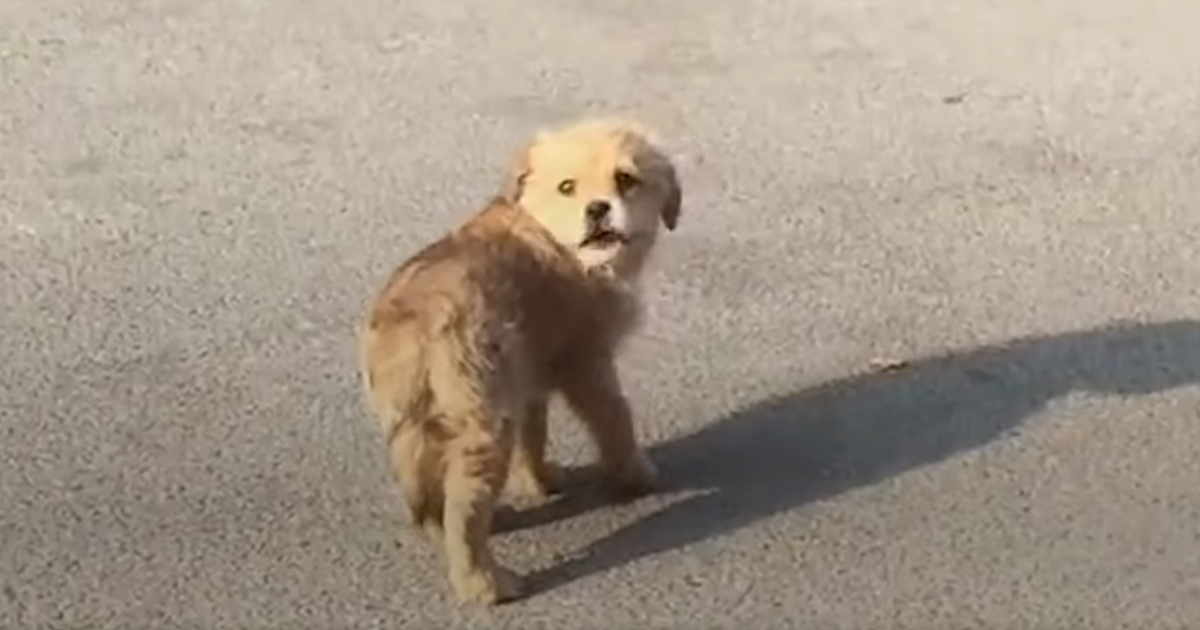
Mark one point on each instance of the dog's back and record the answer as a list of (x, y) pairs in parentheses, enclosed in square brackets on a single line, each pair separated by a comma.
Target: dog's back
[(480, 314)]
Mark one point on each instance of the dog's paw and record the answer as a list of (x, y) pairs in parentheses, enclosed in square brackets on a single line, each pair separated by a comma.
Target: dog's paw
[(525, 486), (553, 477), (636, 478), (487, 588)]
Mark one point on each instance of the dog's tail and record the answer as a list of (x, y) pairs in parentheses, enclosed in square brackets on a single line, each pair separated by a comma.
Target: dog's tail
[(396, 383), (416, 376), (394, 367), (417, 387)]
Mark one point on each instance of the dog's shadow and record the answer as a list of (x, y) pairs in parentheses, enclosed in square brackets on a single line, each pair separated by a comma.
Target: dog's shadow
[(782, 453)]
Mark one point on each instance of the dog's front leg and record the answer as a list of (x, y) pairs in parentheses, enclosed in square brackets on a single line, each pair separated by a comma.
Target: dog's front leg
[(593, 391)]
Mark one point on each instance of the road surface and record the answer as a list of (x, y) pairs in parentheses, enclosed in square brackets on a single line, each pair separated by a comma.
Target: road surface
[(997, 201)]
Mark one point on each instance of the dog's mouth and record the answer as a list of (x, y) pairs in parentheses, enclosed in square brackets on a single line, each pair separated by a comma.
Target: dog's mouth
[(604, 238)]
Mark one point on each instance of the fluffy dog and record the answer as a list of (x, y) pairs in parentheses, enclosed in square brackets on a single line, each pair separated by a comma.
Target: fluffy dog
[(529, 297)]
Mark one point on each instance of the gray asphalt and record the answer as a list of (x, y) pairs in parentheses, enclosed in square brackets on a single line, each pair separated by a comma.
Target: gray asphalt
[(1002, 199)]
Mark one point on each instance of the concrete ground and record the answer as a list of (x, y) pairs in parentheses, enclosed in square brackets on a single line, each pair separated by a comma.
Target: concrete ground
[(1003, 196)]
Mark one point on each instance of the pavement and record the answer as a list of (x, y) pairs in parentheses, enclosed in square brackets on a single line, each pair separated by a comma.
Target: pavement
[(924, 352)]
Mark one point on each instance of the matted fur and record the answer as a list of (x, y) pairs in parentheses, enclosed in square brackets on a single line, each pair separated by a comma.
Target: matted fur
[(529, 297)]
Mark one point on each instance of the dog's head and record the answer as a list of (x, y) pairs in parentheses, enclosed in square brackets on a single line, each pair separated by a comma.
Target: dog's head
[(601, 187)]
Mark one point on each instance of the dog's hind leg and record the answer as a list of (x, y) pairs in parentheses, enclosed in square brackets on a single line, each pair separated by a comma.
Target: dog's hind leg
[(416, 466), (477, 460)]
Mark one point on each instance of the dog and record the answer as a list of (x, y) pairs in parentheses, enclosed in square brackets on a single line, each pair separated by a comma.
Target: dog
[(529, 297)]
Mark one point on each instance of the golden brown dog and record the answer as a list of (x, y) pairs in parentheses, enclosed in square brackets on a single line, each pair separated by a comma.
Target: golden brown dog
[(530, 296)]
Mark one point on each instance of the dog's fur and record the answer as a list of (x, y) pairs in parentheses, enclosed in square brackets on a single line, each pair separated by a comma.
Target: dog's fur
[(469, 338)]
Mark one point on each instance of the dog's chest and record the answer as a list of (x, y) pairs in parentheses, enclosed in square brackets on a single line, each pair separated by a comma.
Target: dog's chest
[(597, 315)]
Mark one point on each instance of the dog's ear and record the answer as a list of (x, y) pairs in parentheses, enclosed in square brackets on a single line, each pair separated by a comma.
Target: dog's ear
[(659, 161), (673, 205), (514, 183)]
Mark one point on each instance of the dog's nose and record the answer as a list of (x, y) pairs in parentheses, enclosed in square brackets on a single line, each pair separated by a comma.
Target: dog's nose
[(597, 210)]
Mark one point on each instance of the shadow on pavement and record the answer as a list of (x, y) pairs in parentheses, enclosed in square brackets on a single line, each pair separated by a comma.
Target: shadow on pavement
[(782, 453)]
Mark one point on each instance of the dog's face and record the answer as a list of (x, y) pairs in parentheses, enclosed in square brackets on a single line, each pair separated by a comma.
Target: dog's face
[(601, 188)]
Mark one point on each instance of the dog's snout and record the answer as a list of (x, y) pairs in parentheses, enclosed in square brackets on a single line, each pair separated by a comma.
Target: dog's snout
[(598, 210)]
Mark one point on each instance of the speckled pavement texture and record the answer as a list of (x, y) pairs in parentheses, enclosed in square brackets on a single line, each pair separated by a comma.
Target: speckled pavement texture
[(998, 199)]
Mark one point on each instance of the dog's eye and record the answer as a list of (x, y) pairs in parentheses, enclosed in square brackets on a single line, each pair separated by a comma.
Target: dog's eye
[(625, 182), (567, 187)]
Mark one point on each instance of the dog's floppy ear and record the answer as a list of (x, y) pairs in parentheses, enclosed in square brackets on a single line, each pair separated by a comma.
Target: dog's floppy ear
[(514, 183), (661, 163)]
